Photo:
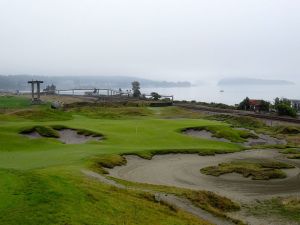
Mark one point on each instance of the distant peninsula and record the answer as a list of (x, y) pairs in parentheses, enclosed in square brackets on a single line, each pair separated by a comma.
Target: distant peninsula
[(19, 82), (252, 81)]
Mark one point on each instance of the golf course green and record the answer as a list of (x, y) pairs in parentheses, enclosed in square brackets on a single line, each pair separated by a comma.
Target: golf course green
[(41, 180)]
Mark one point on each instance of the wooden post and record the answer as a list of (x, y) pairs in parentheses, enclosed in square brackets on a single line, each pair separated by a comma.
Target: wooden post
[(38, 90), (37, 82), (32, 91)]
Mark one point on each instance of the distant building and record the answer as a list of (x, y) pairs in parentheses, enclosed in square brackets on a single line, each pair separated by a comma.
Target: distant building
[(255, 104), (295, 104)]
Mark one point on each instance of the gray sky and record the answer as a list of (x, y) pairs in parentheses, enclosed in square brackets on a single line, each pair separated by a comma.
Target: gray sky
[(158, 39)]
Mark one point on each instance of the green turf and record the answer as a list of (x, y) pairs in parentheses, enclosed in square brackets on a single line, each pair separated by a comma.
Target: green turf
[(41, 180), (14, 102)]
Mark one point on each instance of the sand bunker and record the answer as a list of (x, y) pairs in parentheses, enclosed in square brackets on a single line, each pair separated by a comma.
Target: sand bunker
[(183, 170), (67, 136), (203, 134), (33, 135), (263, 139)]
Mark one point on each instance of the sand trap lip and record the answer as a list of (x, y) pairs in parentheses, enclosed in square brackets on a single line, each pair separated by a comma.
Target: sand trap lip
[(203, 134), (67, 136), (263, 139), (182, 170)]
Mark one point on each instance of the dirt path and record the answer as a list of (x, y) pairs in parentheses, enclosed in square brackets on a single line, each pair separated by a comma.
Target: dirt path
[(183, 170), (173, 200)]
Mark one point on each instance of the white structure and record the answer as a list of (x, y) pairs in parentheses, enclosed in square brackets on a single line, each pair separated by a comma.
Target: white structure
[(295, 104)]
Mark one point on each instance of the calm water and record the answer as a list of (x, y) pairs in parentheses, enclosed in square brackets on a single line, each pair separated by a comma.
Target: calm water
[(231, 94)]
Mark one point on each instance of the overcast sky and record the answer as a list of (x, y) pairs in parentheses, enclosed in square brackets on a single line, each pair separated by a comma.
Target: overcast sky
[(158, 39)]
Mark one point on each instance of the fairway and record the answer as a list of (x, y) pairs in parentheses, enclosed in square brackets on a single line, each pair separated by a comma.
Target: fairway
[(121, 136)]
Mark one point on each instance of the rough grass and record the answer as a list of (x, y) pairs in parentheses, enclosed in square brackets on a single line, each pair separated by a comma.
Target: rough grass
[(292, 153), (239, 121), (63, 196), (206, 200), (177, 112), (86, 132), (264, 170), (101, 162), (203, 152), (44, 131), (12, 102), (287, 129), (112, 112), (226, 132), (41, 114), (283, 207), (51, 131)]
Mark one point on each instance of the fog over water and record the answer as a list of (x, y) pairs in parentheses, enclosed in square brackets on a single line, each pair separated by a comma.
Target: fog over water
[(232, 94), (159, 39)]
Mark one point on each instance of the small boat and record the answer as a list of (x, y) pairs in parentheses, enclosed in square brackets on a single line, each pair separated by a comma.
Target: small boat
[(221, 90)]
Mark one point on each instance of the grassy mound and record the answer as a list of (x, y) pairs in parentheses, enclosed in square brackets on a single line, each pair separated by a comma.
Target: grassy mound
[(226, 132), (203, 152), (283, 207), (101, 162), (292, 153), (257, 170), (51, 131), (79, 131), (211, 201), (288, 129), (109, 112), (44, 131), (206, 200), (238, 121), (178, 112), (42, 114)]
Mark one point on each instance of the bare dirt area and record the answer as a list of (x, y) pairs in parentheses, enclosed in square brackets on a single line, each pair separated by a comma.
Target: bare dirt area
[(183, 170)]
